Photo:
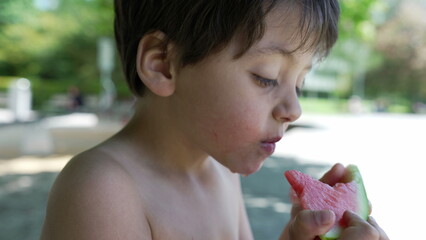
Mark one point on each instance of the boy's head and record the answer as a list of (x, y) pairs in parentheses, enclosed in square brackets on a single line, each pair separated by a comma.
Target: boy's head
[(199, 28)]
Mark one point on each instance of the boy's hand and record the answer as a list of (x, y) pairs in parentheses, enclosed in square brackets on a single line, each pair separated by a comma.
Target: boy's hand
[(360, 229), (307, 224)]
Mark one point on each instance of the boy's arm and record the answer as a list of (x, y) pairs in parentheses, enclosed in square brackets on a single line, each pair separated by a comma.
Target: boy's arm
[(95, 203)]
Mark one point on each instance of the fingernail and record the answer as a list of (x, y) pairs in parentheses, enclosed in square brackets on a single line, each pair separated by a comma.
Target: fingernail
[(324, 217)]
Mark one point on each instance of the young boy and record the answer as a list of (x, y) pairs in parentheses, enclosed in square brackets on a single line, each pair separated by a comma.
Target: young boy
[(217, 84)]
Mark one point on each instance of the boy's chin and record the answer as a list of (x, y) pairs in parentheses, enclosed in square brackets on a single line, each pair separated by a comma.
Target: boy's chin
[(248, 169), (242, 165)]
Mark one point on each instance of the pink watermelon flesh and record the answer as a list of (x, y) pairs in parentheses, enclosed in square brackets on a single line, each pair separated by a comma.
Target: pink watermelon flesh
[(316, 195)]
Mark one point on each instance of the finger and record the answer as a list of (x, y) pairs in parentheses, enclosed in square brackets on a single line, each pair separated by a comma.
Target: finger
[(358, 228), (309, 224), (382, 233), (334, 175), (295, 210)]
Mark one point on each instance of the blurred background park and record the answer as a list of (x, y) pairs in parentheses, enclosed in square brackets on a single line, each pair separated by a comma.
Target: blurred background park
[(62, 91)]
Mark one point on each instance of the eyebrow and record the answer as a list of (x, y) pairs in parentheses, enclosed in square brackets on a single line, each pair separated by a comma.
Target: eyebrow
[(277, 50)]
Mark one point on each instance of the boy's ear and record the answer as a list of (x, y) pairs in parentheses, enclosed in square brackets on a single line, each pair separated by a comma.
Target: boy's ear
[(153, 64)]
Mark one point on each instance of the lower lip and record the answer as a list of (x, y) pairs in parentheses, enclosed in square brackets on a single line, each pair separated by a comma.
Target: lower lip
[(269, 148)]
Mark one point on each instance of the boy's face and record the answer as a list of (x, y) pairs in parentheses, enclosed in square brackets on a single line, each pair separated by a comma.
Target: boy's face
[(235, 110)]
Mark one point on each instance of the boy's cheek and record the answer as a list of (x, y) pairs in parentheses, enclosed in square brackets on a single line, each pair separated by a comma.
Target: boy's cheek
[(232, 131)]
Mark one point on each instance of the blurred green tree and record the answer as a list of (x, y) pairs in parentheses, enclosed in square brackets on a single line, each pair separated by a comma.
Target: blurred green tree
[(54, 47), (351, 58), (402, 42)]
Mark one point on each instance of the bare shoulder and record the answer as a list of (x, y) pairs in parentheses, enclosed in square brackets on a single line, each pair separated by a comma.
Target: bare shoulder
[(94, 197)]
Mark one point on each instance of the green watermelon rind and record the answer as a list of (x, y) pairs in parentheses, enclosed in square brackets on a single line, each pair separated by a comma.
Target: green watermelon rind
[(364, 210)]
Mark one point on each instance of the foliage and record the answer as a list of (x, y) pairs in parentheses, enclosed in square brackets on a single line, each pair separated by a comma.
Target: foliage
[(352, 57), (356, 19), (381, 50), (323, 105), (402, 42), (56, 47)]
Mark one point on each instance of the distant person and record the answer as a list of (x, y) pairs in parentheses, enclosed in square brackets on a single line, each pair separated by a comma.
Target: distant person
[(381, 105), (217, 84), (76, 98)]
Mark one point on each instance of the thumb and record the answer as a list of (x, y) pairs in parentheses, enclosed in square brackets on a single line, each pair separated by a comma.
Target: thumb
[(309, 224)]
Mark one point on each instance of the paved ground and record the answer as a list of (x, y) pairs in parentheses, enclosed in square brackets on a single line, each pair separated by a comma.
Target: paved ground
[(389, 150)]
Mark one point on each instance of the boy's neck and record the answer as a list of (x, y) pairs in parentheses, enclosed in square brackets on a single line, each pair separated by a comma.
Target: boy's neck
[(157, 140)]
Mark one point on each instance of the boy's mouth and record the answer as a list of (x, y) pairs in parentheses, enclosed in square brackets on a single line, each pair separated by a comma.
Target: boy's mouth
[(269, 145), (272, 140)]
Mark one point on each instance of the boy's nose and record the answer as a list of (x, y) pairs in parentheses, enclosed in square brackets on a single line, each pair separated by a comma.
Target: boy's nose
[(288, 110)]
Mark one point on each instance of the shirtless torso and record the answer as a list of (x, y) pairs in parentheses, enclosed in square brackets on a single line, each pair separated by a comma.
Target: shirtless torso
[(107, 188)]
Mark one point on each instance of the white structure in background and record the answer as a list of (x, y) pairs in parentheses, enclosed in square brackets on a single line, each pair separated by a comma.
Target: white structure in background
[(20, 99), (343, 71), (40, 140), (325, 78), (106, 65)]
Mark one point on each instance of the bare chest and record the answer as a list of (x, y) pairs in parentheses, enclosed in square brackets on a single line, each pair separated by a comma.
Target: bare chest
[(178, 212)]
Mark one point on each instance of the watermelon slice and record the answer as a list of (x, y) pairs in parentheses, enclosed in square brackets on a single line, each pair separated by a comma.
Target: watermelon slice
[(316, 195)]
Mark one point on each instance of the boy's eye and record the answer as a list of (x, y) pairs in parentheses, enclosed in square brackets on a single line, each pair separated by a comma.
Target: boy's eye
[(265, 82)]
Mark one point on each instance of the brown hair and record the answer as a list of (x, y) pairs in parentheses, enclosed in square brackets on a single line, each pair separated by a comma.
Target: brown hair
[(201, 27)]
